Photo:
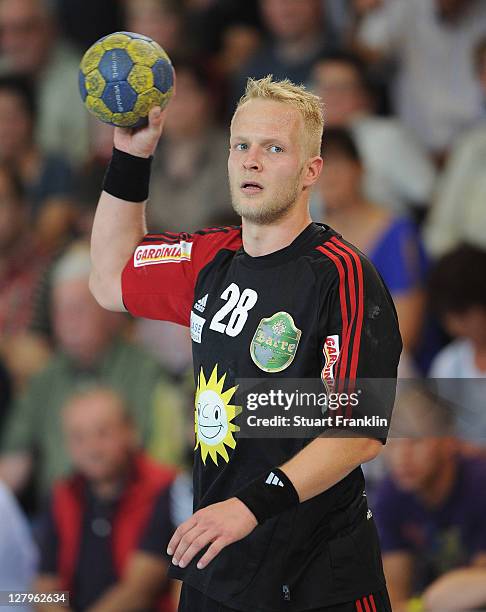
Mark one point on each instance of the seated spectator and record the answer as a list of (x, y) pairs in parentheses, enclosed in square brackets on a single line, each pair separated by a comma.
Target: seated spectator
[(391, 243), (430, 510), (458, 213), (457, 288), (187, 185), (29, 45), (18, 553), (47, 178), (298, 37), (398, 174), (90, 347), (435, 92), (105, 534)]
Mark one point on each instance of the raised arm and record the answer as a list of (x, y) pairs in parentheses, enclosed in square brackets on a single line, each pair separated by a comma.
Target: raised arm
[(119, 223)]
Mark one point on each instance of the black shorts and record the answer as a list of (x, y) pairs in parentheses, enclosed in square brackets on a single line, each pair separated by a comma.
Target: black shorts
[(194, 601)]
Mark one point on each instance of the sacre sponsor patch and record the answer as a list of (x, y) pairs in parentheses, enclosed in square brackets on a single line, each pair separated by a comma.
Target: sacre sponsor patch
[(148, 255)]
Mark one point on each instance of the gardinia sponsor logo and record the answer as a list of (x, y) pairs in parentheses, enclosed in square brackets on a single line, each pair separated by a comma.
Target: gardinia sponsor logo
[(147, 255), (331, 355)]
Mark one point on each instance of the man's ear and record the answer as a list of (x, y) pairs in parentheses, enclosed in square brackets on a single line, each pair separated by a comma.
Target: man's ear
[(313, 171)]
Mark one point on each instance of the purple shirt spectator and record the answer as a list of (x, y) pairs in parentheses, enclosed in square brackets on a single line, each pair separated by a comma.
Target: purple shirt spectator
[(440, 538)]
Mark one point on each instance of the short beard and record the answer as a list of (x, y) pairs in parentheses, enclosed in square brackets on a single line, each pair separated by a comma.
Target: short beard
[(266, 214)]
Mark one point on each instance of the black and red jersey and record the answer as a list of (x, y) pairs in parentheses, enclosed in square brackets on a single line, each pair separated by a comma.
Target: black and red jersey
[(314, 309)]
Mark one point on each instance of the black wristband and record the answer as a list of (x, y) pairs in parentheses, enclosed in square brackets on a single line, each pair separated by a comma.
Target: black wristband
[(128, 177), (269, 495)]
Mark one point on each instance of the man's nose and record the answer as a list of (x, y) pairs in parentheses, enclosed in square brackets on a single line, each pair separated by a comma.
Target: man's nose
[(252, 160)]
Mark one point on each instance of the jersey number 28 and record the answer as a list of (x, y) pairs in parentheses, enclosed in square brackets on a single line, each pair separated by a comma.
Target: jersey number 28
[(238, 304)]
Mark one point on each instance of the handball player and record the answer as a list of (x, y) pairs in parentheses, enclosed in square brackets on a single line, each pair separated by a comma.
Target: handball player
[(278, 524)]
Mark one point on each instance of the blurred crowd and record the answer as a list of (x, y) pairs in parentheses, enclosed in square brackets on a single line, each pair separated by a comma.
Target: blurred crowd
[(96, 409)]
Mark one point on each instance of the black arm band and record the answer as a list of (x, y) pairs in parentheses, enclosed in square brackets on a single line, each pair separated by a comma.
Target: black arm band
[(269, 495), (128, 177)]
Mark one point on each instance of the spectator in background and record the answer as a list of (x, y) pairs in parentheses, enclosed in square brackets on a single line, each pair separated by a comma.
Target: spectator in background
[(21, 261), (460, 589), (182, 492), (398, 174), (392, 243), (208, 19), (156, 336), (190, 161), (29, 45), (47, 178), (5, 394), (458, 213), (340, 15), (240, 41), (106, 531), (22, 265), (457, 288), (162, 20), (83, 22), (430, 510), (298, 36), (18, 553), (90, 347), (435, 92), (480, 65)]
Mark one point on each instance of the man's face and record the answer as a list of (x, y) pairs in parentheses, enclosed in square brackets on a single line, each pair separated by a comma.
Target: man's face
[(266, 160), (291, 19), (150, 18), (415, 462), (98, 437), (25, 34), (470, 324), (189, 110), (339, 87), (340, 181), (421, 444), (82, 327)]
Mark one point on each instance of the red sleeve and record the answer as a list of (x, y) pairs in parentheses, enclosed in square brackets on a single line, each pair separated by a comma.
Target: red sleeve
[(159, 279)]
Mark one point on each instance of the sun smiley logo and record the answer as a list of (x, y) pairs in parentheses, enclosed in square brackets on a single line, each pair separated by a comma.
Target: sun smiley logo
[(213, 417)]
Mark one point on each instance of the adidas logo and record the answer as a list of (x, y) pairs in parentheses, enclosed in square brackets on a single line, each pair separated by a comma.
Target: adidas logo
[(274, 480), (201, 304)]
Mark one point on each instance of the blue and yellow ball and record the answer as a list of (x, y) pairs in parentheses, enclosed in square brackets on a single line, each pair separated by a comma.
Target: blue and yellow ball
[(122, 76)]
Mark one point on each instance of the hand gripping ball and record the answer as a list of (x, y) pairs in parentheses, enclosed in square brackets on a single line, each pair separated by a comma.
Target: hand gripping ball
[(123, 76)]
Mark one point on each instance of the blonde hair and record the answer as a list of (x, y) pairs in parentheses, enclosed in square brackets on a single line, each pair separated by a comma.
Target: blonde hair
[(308, 104)]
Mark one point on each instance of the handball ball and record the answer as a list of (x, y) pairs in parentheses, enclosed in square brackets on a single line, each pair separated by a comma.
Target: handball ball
[(123, 76)]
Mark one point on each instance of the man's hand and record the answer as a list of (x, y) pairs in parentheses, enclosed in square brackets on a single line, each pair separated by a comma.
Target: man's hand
[(218, 525), (142, 142)]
